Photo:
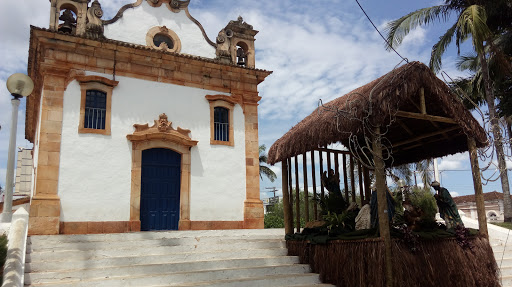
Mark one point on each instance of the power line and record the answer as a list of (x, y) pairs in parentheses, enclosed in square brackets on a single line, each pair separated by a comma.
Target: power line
[(385, 40)]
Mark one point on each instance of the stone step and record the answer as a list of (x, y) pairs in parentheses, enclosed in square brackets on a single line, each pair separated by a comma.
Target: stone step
[(83, 260), (506, 281), (168, 268), (42, 271), (300, 280), (505, 262), (180, 278), (505, 271), (156, 235), (164, 243)]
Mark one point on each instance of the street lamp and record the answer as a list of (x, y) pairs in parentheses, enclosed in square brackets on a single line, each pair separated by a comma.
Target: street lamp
[(19, 85)]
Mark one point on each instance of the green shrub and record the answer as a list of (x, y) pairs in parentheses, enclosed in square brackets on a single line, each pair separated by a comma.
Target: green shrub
[(425, 200), (3, 253), (273, 220)]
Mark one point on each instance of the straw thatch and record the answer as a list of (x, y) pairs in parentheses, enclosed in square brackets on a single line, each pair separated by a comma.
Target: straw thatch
[(440, 262), (412, 139)]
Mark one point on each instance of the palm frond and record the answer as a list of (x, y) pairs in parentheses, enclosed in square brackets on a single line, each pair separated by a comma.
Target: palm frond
[(472, 23), (440, 47), (398, 29), (266, 171), (468, 62)]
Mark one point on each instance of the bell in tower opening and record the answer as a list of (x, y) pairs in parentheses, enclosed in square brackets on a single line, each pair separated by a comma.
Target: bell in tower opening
[(69, 20)]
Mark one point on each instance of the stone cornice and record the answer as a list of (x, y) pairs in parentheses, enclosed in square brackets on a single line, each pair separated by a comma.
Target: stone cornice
[(162, 129), (98, 79), (229, 99), (69, 56)]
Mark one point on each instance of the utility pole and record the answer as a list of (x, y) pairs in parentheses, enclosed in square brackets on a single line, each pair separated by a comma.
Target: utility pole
[(273, 189)]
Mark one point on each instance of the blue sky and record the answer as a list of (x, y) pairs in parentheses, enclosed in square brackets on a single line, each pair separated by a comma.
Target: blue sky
[(317, 50)]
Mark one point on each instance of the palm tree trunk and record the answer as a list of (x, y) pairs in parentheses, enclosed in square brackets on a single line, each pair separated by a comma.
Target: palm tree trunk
[(498, 139)]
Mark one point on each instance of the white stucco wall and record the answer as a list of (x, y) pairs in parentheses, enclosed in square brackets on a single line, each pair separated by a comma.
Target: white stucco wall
[(95, 170), (136, 22)]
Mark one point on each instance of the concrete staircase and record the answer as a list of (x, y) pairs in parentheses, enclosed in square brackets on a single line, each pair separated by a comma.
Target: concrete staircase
[(501, 242), (179, 258)]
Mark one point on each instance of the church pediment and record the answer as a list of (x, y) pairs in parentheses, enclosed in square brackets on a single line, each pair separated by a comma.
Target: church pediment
[(161, 130)]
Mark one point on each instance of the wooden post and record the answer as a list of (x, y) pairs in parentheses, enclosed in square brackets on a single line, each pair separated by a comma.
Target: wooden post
[(290, 188), (360, 176), (477, 182), (320, 153), (423, 106), (306, 191), (345, 178), (328, 162), (336, 164), (380, 176), (367, 184), (288, 227), (297, 197), (313, 178), (352, 181)]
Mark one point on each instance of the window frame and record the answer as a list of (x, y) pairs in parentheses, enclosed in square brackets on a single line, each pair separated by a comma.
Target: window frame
[(167, 32), (222, 132), (100, 84), (229, 104)]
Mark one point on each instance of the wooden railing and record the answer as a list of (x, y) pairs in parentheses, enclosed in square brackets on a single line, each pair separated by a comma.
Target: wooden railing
[(354, 178)]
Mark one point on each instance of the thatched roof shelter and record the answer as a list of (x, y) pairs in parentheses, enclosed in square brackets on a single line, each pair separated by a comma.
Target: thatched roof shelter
[(420, 116)]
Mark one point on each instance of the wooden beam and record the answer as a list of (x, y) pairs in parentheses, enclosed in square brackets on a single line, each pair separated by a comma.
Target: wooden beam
[(333, 150), (360, 175), (417, 116), (367, 184), (345, 177), (322, 193), (306, 191), (423, 106), (477, 182), (313, 179), (424, 136), (288, 227), (352, 179), (382, 205), (290, 188), (404, 126), (297, 196)]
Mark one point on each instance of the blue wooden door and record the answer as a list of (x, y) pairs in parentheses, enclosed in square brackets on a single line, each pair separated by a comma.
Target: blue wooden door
[(160, 189)]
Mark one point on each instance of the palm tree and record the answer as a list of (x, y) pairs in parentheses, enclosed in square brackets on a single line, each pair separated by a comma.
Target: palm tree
[(265, 170), (471, 23)]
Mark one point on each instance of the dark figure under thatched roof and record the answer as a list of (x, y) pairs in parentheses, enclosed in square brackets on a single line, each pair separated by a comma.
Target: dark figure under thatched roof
[(422, 118)]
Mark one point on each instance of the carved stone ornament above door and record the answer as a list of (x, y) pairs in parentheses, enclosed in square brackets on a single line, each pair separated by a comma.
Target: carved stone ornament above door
[(161, 130)]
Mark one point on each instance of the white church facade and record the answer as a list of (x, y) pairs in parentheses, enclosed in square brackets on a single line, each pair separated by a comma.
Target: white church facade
[(141, 122)]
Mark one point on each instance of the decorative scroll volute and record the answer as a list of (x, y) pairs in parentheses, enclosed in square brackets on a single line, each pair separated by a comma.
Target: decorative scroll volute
[(162, 129)]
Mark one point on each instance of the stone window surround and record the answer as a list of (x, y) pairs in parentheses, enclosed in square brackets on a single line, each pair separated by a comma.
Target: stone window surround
[(166, 31), (225, 102), (101, 84)]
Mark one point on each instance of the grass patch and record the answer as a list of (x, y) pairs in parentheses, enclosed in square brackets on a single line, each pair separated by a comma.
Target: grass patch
[(504, 224)]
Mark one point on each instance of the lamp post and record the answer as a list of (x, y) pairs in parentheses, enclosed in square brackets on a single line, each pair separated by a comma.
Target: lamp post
[(19, 85)]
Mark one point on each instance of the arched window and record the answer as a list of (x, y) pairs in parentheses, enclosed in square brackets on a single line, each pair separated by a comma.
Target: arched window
[(95, 109), (221, 124)]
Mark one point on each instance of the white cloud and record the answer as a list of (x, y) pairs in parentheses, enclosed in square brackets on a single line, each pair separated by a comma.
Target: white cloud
[(454, 193), (454, 162)]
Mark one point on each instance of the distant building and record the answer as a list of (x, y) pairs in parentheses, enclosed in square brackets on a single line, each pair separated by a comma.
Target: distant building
[(493, 205), (23, 184)]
